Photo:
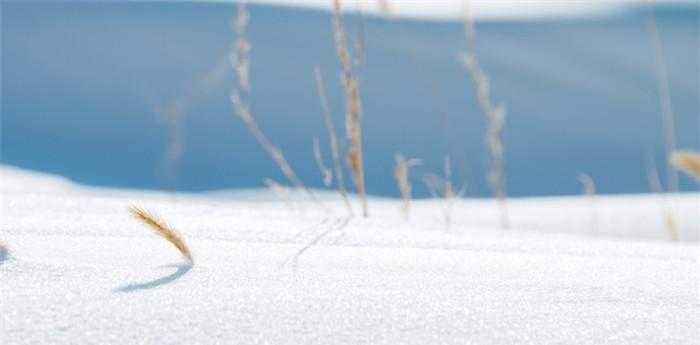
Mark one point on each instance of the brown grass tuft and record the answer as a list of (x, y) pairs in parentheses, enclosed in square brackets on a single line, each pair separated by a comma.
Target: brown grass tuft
[(353, 106), (687, 161), (163, 230)]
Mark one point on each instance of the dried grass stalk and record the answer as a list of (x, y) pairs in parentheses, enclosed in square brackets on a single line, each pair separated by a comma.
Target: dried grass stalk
[(670, 224), (401, 175), (589, 190), (330, 129), (655, 186), (353, 107), (163, 230), (280, 191), (495, 116), (326, 174), (442, 186), (240, 61), (667, 115), (174, 113), (687, 161)]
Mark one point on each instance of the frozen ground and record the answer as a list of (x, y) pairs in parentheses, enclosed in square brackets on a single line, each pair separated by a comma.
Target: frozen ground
[(80, 270)]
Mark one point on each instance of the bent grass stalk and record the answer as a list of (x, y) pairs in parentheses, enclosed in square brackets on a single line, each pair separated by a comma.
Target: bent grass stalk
[(240, 61), (162, 229), (401, 175), (495, 116), (330, 129), (353, 106)]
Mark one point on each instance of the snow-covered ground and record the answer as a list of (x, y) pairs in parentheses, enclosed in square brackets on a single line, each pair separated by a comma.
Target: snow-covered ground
[(80, 270)]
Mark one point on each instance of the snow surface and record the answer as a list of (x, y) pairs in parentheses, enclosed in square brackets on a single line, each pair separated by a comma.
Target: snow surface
[(480, 9), (80, 270)]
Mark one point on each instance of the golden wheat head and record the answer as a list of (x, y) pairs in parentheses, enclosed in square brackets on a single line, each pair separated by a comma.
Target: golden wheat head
[(688, 162), (162, 229)]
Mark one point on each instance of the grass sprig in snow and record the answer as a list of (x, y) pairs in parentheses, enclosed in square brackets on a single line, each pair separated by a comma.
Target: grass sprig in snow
[(163, 230)]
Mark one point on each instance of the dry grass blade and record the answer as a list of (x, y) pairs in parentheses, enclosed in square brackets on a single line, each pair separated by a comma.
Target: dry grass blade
[(401, 175), (326, 174), (174, 113), (163, 230), (353, 107), (589, 191), (442, 186), (330, 129), (495, 116), (587, 183), (240, 62), (688, 162), (667, 115), (664, 204), (280, 191)]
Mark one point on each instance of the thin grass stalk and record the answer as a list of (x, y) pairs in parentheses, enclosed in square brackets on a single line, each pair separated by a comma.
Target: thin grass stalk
[(401, 170), (240, 61), (333, 139), (353, 107), (495, 116), (162, 229), (442, 186), (589, 191), (280, 191), (656, 187), (667, 114), (326, 174), (174, 114)]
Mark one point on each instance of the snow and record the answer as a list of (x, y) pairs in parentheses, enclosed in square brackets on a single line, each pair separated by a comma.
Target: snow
[(80, 270), (480, 9)]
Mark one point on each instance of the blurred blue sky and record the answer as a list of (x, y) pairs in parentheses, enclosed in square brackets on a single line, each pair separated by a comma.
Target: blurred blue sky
[(86, 86)]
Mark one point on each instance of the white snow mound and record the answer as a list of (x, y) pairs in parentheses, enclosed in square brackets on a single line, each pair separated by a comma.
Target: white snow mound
[(79, 270)]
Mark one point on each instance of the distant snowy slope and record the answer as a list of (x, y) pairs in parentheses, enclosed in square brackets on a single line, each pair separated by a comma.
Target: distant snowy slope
[(80, 270), (481, 9)]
